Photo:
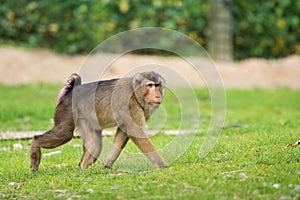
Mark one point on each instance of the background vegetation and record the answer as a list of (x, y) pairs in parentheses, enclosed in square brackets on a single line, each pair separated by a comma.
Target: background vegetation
[(268, 28)]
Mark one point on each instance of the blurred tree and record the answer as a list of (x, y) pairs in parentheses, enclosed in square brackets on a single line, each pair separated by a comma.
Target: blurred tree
[(220, 30), (269, 28)]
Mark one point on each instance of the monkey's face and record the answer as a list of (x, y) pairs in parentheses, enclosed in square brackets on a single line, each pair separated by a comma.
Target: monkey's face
[(149, 89), (154, 94)]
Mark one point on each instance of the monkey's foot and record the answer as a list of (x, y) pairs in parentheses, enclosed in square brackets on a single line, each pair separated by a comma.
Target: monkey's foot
[(35, 159), (106, 167), (168, 166)]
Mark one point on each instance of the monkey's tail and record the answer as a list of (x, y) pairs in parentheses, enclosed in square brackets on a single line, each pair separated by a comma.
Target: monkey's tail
[(72, 82)]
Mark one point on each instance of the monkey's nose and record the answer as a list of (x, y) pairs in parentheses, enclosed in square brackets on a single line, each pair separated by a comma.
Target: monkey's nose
[(157, 99)]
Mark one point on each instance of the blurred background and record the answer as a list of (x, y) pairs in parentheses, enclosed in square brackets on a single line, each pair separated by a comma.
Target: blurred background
[(230, 30)]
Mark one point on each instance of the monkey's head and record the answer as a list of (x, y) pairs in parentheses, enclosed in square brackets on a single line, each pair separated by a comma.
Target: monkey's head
[(148, 89)]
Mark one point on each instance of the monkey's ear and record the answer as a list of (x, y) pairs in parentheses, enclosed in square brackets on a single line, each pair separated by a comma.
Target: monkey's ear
[(137, 80)]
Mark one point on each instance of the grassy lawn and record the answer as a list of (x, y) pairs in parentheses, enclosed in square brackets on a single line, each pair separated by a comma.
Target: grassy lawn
[(249, 161)]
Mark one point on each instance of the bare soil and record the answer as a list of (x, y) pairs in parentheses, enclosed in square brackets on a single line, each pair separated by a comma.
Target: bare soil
[(19, 66)]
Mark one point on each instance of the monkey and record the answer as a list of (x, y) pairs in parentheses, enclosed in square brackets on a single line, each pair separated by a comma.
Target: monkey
[(125, 103)]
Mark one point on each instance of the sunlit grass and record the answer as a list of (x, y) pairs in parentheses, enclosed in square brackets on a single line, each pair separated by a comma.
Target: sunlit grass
[(249, 161)]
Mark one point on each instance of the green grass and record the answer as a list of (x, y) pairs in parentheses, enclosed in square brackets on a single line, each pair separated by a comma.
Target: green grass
[(249, 161), (27, 107)]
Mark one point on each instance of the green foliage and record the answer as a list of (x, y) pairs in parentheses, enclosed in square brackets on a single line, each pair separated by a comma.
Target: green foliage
[(261, 29), (78, 26), (266, 29), (58, 25)]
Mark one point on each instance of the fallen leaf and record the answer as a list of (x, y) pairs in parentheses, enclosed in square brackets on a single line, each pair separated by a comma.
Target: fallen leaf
[(5, 148), (255, 192), (114, 187), (285, 197), (11, 183), (18, 186), (297, 188), (17, 146), (61, 191), (243, 176), (77, 145), (293, 144), (90, 190), (52, 153)]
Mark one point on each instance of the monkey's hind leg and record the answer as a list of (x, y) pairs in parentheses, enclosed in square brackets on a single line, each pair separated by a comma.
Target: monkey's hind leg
[(50, 139), (63, 124), (61, 133)]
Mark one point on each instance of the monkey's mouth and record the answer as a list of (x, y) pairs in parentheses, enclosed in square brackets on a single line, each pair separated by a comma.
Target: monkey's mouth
[(154, 103)]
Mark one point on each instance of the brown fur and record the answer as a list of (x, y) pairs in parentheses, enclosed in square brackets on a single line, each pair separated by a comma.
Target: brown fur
[(126, 103)]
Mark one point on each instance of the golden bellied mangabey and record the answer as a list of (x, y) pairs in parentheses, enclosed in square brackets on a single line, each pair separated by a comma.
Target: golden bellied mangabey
[(126, 103)]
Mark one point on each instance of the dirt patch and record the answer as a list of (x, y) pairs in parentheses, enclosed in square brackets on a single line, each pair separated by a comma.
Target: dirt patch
[(19, 66)]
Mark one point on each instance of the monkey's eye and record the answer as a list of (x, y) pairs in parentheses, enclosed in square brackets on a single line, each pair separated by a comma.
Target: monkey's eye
[(153, 84)]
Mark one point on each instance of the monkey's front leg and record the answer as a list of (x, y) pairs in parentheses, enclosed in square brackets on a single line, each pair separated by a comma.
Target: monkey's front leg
[(35, 157), (119, 142), (150, 152)]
